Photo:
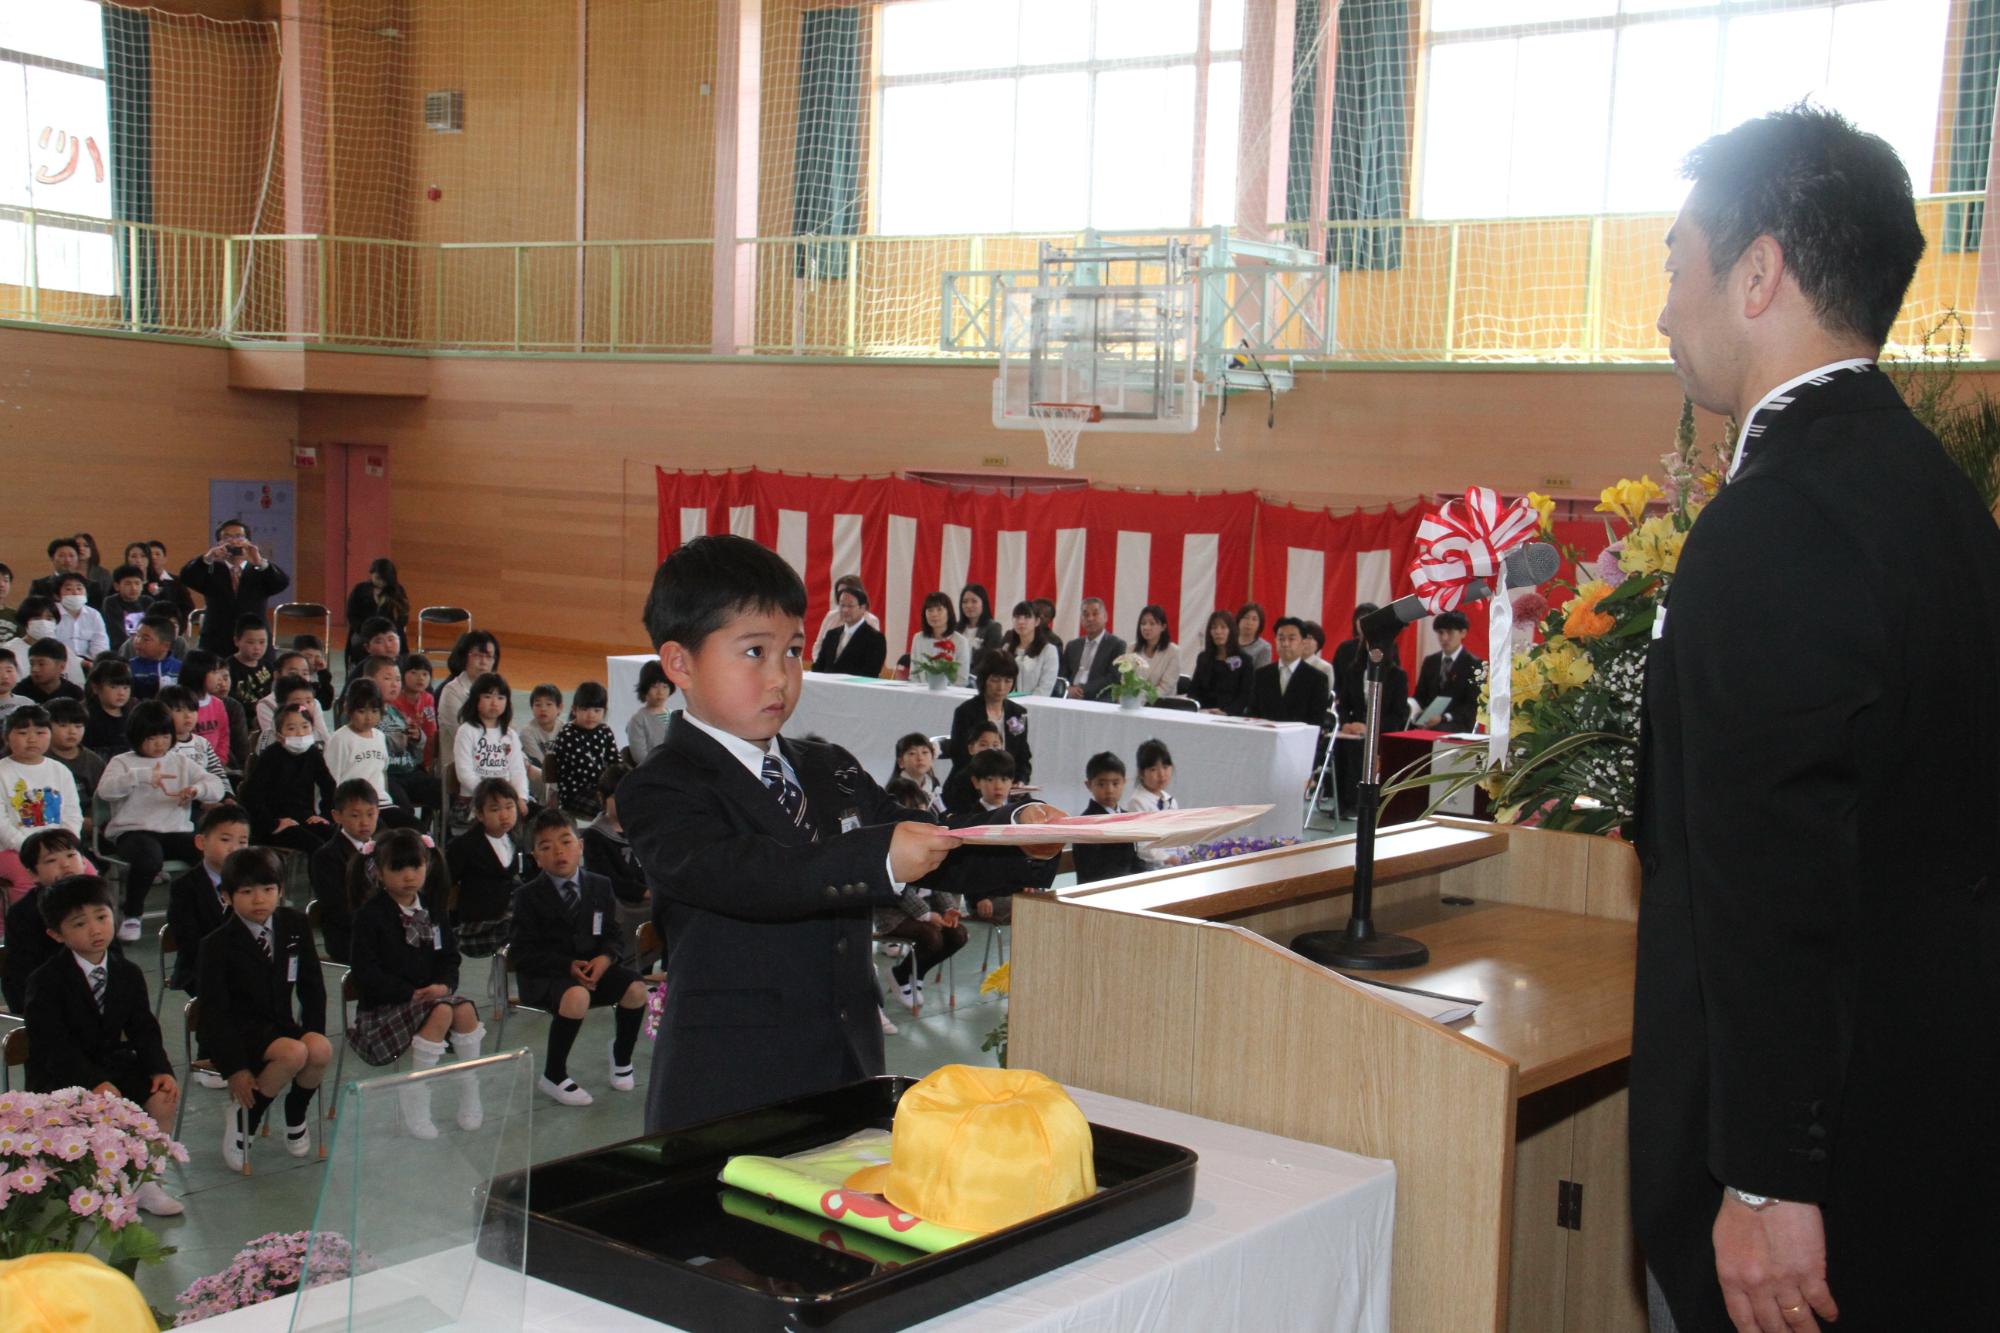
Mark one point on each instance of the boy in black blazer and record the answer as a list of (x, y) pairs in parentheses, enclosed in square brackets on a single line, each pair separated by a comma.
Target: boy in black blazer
[(197, 904), (1104, 774), (252, 966), (766, 855), (989, 877), (1453, 672), (1288, 689), (487, 869), (566, 948), (49, 854), (89, 1022), (356, 810)]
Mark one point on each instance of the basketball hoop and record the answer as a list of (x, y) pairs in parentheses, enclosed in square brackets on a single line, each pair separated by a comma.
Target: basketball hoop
[(1061, 423)]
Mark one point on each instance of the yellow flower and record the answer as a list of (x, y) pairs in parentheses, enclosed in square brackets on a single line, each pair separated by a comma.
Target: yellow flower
[(997, 980), (1566, 666), (1519, 726), (1546, 508), (1582, 618), (1527, 680), (1628, 499), (1654, 547)]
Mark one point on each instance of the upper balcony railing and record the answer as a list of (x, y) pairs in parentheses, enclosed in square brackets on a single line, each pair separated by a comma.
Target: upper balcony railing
[(1572, 290)]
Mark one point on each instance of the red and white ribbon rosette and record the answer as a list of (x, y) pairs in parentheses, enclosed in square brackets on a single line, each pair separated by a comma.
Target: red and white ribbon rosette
[(1466, 540)]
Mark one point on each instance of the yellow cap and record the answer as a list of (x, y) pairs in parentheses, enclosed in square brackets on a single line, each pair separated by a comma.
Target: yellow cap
[(70, 1293), (981, 1149)]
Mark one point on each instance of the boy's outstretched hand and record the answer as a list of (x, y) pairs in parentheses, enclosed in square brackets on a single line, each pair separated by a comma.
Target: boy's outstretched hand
[(1041, 812), (916, 849)]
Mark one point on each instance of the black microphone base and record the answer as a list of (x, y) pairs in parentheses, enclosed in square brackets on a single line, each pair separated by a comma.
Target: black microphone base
[(1360, 953)]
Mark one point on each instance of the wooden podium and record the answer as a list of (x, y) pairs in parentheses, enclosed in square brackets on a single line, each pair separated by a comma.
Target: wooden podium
[(1507, 1128)]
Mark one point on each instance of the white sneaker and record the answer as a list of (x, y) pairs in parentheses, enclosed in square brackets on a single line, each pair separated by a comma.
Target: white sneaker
[(129, 930), (208, 1078), (621, 1079), (234, 1145), (298, 1138), (416, 1101), (911, 997), (152, 1199), (888, 1029), (566, 1092)]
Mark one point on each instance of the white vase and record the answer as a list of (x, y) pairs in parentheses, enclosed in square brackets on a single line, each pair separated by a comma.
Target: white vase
[(937, 682), (1131, 703)]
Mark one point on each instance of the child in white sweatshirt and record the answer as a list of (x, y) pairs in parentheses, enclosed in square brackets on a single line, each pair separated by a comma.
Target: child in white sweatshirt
[(35, 792), (154, 787), (359, 750)]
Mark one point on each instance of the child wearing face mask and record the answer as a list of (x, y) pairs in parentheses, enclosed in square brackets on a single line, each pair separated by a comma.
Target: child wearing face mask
[(288, 788), (78, 624), (38, 626)]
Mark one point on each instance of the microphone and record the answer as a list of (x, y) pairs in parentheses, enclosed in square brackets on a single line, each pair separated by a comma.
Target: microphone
[(1526, 567)]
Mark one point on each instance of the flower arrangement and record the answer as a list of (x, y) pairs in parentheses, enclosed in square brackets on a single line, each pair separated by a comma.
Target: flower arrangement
[(1130, 684), (268, 1267), (1224, 848), (940, 664), (70, 1164), (656, 1008), (998, 982)]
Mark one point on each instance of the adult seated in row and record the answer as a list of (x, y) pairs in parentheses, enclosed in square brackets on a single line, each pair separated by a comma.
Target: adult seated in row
[(992, 683), (235, 580), (1288, 690), (63, 560), (853, 647), (937, 637), (1222, 674), (832, 616), (1250, 641), (976, 620), (1037, 655), (1087, 660), (1453, 672), (379, 596), (1155, 642)]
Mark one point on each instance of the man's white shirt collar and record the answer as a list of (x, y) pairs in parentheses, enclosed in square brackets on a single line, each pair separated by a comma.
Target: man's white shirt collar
[(1851, 363)]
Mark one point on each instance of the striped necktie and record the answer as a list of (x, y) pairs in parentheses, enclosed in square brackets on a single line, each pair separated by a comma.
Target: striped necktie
[(264, 943), (568, 890), (790, 795), (97, 986)]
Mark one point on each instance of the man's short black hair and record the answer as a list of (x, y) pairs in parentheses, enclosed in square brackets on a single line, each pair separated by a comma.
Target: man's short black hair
[(1293, 621), (149, 719), (216, 816), (1153, 753), (123, 572), (548, 819), (6, 570), (353, 791), (54, 838), (698, 588), (1452, 620), (853, 589), (73, 893), (590, 694), (1101, 763), (250, 868), (229, 523), (1836, 200), (990, 764), (246, 622), (61, 542)]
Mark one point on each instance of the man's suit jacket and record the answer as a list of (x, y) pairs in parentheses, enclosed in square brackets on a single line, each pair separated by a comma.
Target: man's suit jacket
[(861, 654), (223, 603), (195, 911), (1828, 642), (767, 924), (1461, 684), (72, 1044), (1102, 674), (1303, 699), (246, 998)]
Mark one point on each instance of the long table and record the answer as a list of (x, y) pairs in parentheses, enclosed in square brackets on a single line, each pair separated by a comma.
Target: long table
[(1217, 760), (1283, 1235)]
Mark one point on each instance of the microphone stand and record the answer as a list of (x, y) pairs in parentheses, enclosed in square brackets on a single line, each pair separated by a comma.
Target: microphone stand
[(1360, 946)]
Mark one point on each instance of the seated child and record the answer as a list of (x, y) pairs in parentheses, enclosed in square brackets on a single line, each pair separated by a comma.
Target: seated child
[(67, 723), (567, 950), (958, 792), (487, 867), (419, 708), (355, 811), (581, 751), (916, 759), (607, 851), (196, 901), (936, 935), (78, 624), (288, 789), (253, 967), (316, 672), (52, 854), (1104, 774), (409, 786), (1156, 773), (486, 744), (648, 727), (992, 875), (89, 1022), (10, 672), (219, 719), (359, 752), (249, 669), (48, 663), (406, 972), (104, 715), (152, 788), (288, 685), (35, 792), (186, 714), (151, 659), (544, 722), (127, 605)]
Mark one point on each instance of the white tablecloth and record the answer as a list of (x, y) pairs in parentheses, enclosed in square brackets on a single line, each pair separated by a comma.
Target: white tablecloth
[(1282, 1235), (1217, 760)]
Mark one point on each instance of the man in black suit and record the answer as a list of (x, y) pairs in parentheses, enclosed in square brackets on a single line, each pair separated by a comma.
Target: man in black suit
[(1813, 1066), (64, 560), (1087, 659), (234, 580), (853, 647), (1453, 672), (1289, 689)]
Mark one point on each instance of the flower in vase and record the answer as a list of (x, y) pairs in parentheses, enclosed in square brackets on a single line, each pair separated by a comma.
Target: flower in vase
[(1582, 619), (1530, 607), (1628, 499), (1654, 547), (1606, 566), (998, 980), (1545, 511), (1567, 667)]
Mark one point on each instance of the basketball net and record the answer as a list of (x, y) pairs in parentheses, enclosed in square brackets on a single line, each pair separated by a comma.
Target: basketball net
[(1061, 424)]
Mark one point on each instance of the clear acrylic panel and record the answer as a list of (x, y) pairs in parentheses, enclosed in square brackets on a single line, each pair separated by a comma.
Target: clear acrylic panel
[(403, 1240)]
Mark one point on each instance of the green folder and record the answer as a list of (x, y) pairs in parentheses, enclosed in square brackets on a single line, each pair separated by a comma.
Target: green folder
[(815, 1184)]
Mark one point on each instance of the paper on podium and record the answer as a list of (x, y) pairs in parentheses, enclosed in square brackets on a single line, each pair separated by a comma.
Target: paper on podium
[(1158, 828)]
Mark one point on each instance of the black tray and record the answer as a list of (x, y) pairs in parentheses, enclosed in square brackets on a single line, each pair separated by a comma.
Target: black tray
[(629, 1223)]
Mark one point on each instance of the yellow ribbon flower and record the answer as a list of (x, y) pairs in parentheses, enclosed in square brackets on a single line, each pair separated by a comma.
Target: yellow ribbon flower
[(1654, 547), (1528, 680), (1546, 508), (1628, 499), (999, 979)]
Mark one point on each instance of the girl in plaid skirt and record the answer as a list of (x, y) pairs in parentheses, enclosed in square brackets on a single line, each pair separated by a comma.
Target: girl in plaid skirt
[(405, 970)]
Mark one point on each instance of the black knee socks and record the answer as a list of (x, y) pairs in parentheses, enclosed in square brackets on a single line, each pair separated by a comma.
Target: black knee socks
[(626, 1036), (296, 1102), (259, 1104), (562, 1036)]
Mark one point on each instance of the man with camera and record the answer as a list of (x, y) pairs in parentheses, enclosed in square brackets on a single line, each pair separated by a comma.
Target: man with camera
[(234, 579)]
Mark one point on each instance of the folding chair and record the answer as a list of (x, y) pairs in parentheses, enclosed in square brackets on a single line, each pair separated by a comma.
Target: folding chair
[(196, 618), (1178, 703), (190, 1020), (313, 917), (303, 611), (505, 1004), (995, 931), (13, 1051), (650, 943), (169, 946), (101, 812), (1061, 689), (440, 616)]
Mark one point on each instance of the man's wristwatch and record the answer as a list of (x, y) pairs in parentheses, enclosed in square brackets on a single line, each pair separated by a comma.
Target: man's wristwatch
[(1756, 1203)]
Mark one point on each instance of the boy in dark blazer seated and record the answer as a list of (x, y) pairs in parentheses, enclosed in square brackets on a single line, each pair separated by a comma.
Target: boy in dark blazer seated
[(1287, 689), (568, 952), (252, 967), (989, 877), (356, 809), (1453, 672), (89, 1022), (487, 869), (1104, 774), (196, 902), (853, 647), (49, 854), (766, 856)]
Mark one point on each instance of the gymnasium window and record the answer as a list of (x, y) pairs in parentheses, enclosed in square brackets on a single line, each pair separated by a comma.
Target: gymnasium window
[(1551, 107), (55, 144), (1051, 115)]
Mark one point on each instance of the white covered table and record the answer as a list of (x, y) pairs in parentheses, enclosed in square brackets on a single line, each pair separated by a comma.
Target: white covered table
[(1217, 760), (1282, 1235)]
